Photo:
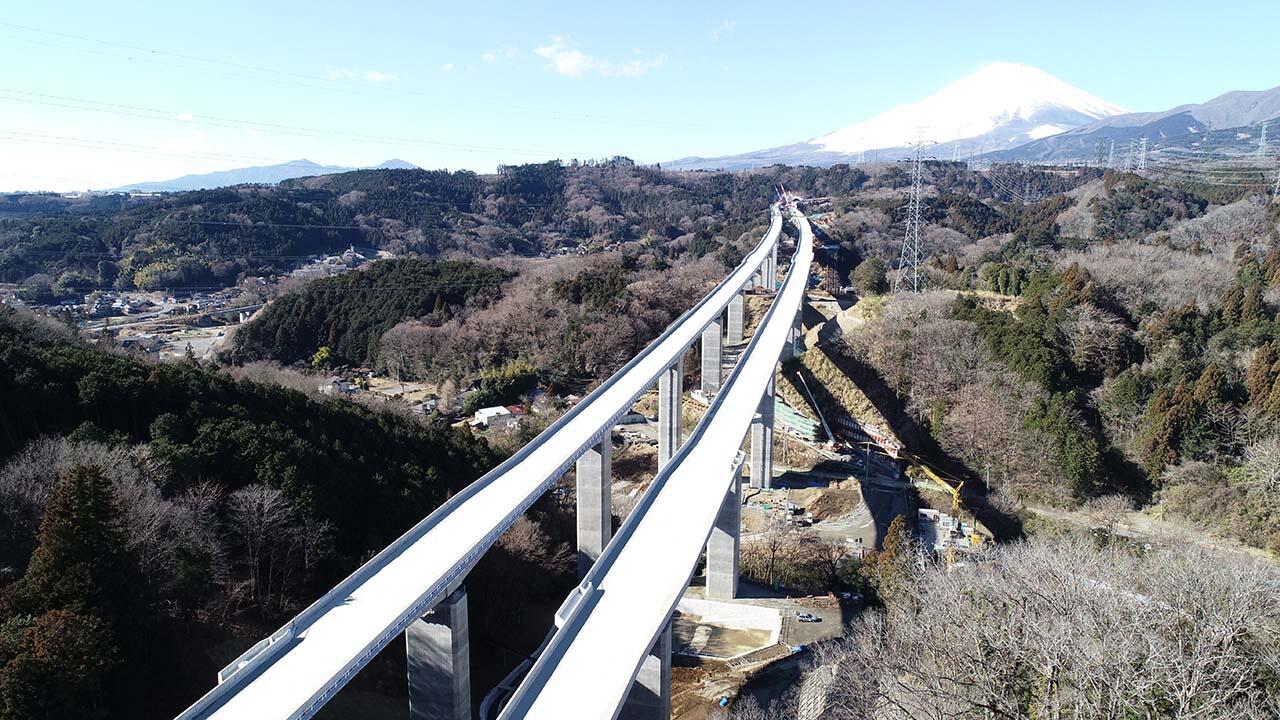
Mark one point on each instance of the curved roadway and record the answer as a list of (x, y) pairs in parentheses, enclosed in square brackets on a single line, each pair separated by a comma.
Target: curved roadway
[(612, 619), (293, 673)]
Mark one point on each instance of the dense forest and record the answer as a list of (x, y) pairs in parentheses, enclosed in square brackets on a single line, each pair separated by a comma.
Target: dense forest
[(143, 504), (214, 237), (349, 313)]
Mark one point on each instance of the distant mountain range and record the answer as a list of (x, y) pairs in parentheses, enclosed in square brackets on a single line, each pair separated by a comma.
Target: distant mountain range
[(1230, 124), (1007, 112), (265, 174), (1001, 106)]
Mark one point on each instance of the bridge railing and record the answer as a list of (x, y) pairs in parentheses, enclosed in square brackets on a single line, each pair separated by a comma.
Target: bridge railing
[(266, 651), (586, 595)]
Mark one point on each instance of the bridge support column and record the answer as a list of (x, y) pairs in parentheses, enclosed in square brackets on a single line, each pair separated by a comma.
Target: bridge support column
[(733, 330), (795, 340), (762, 441), (722, 546), (437, 647), (650, 697), (670, 398), (712, 357), (773, 269), (595, 502)]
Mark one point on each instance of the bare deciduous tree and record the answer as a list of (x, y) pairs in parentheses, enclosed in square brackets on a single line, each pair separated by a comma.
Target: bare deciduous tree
[(1062, 629)]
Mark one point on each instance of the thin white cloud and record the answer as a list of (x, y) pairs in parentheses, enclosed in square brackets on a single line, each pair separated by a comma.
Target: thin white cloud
[(370, 75), (724, 29), (448, 67), (507, 53), (569, 61), (185, 116)]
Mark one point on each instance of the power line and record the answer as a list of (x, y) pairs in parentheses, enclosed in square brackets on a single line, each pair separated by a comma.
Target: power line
[(136, 111), (288, 77)]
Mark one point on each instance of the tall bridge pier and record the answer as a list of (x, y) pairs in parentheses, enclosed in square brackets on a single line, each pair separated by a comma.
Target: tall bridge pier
[(437, 644), (670, 400), (437, 648), (733, 328), (712, 358), (595, 507)]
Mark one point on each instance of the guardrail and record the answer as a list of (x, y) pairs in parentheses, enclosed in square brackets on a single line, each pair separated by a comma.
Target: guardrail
[(583, 599), (263, 653)]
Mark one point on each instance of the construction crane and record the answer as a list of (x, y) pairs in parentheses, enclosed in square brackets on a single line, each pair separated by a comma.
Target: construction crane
[(955, 490)]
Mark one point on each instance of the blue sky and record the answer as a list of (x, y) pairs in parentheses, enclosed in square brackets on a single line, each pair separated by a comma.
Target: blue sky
[(100, 94)]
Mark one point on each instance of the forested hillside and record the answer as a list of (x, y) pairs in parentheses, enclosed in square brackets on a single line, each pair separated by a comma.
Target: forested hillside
[(142, 504), (213, 237), (1115, 340), (349, 313)]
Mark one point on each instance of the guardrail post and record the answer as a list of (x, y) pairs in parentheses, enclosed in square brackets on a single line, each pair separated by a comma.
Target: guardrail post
[(437, 647), (595, 502), (670, 399), (722, 546), (762, 441), (650, 697), (712, 357), (734, 328)]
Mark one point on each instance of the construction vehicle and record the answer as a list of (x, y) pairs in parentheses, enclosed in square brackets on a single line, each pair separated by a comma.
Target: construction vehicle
[(974, 539)]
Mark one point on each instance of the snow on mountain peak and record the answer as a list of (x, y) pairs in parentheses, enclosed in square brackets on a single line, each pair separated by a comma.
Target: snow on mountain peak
[(999, 103)]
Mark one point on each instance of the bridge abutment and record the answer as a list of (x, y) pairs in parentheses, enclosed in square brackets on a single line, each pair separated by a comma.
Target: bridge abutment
[(594, 479), (437, 647)]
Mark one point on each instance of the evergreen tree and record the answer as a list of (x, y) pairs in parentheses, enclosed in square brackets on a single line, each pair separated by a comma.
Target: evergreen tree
[(869, 277), (890, 569), (80, 563), (57, 667)]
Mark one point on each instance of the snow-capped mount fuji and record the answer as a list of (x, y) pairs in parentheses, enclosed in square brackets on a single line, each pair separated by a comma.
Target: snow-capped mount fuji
[(1000, 106)]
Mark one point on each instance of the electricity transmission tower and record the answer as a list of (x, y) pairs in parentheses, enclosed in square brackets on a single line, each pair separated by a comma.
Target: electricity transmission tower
[(1111, 156), (1275, 191), (1262, 142), (1142, 156), (911, 275)]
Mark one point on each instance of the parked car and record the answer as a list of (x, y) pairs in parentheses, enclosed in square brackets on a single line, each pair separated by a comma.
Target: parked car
[(805, 617)]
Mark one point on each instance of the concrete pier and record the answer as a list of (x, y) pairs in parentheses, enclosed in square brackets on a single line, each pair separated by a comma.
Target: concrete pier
[(712, 357), (795, 340), (733, 328), (650, 697), (722, 546), (670, 398), (762, 441), (595, 502), (439, 662)]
